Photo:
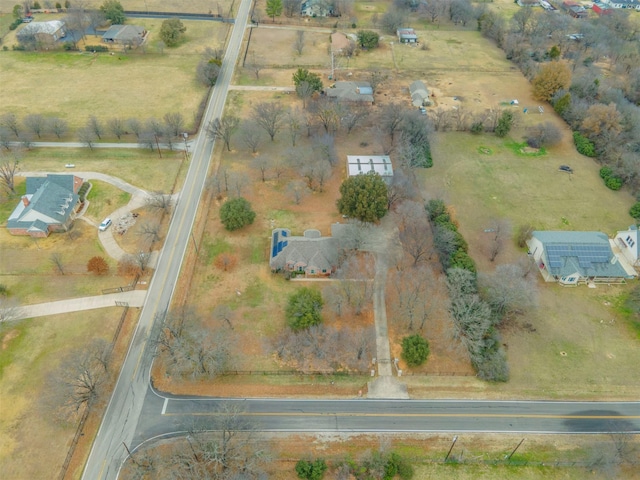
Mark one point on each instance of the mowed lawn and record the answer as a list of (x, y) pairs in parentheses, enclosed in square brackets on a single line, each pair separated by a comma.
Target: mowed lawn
[(573, 345), (141, 168), (75, 85)]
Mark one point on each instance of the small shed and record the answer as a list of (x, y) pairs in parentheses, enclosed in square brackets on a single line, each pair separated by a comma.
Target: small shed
[(407, 35)]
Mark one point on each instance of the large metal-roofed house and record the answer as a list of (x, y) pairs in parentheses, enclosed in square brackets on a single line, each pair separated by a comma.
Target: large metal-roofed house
[(362, 164), (571, 258)]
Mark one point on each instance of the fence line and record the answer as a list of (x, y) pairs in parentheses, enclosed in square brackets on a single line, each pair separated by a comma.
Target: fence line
[(126, 288), (85, 413), (366, 373)]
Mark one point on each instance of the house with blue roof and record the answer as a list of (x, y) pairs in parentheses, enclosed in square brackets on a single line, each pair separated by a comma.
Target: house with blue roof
[(572, 258), (49, 205)]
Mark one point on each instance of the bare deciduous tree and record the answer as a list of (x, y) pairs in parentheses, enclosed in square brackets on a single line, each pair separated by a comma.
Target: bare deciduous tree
[(223, 313), (299, 42), (499, 231), (150, 231), (135, 126), (353, 116), (392, 116), (377, 78), (269, 116), (78, 382), (117, 127), (87, 137), (251, 136), (58, 126), (94, 125), (8, 170), (510, 290), (297, 190), (159, 201), (10, 122), (36, 123), (294, 126), (256, 66), (262, 164), (305, 91), (9, 309), (57, 262), (175, 123), (415, 232), (328, 113), (223, 129)]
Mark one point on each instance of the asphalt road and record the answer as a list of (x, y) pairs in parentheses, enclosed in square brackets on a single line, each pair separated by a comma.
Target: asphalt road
[(121, 416), (167, 416)]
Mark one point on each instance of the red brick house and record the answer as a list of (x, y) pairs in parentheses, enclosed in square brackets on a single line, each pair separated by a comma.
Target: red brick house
[(49, 205)]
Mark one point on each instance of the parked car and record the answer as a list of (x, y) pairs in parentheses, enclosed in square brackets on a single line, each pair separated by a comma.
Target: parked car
[(27, 20), (565, 168), (106, 223), (423, 110)]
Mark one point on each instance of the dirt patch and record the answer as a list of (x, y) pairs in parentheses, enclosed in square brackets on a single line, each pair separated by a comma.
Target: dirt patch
[(6, 339)]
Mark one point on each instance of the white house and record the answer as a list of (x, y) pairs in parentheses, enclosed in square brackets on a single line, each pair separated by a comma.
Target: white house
[(627, 242), (632, 4), (570, 258)]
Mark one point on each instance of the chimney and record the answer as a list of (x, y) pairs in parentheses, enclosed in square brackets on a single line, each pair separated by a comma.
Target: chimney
[(25, 200)]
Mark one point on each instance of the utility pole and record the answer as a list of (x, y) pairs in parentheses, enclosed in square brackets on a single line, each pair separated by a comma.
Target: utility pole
[(514, 450), (455, 439)]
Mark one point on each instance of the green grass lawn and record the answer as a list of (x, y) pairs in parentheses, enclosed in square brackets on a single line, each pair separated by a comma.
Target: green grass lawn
[(104, 198), (139, 167)]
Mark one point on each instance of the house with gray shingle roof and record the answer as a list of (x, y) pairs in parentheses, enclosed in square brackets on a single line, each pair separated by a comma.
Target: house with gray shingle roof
[(311, 253), (419, 94), (571, 258), (44, 32), (124, 35), (49, 205), (360, 92)]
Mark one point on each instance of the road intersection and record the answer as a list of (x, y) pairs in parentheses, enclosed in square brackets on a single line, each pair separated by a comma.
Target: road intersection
[(136, 414)]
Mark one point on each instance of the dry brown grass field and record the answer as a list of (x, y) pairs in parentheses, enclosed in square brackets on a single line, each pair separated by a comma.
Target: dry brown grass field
[(75, 85), (601, 351), (186, 6), (31, 351)]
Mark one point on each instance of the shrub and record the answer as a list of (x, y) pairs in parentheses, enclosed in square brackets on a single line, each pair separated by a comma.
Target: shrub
[(635, 211), (606, 172), (4, 291), (98, 266), (492, 366), (543, 135), (94, 48), (505, 122), (477, 128), (397, 465), (15, 24), (435, 208), (613, 183), (524, 234), (311, 470), (304, 309), (461, 259), (236, 213), (58, 5), (415, 350), (584, 145)]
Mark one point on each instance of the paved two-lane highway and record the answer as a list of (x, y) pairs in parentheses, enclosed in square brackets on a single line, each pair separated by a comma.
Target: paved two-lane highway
[(121, 417)]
